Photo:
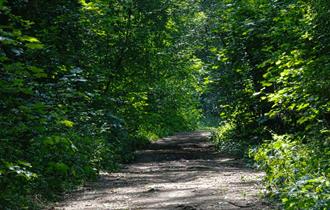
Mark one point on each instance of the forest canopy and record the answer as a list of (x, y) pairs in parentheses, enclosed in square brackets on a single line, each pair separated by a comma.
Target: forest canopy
[(84, 83)]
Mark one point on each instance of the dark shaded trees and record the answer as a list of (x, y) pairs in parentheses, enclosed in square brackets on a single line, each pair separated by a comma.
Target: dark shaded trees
[(83, 83)]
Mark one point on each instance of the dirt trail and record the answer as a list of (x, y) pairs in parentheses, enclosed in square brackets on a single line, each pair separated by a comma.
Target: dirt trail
[(179, 172)]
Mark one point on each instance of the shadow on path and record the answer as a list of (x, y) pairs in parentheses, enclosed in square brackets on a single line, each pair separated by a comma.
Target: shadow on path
[(178, 172)]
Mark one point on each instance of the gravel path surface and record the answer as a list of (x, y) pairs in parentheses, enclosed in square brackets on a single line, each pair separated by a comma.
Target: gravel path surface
[(178, 172)]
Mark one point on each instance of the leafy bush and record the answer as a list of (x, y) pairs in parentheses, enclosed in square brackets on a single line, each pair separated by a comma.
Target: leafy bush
[(80, 95), (295, 172), (61, 163), (268, 69), (14, 179), (227, 139)]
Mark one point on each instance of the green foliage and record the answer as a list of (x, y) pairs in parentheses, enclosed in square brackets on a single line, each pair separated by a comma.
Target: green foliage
[(296, 173), (267, 75), (84, 84), (227, 139)]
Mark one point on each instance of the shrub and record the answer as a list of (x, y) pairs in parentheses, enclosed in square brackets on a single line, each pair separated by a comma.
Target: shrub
[(227, 139), (295, 172)]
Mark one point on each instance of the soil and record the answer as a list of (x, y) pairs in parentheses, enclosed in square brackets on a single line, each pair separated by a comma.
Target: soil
[(181, 172)]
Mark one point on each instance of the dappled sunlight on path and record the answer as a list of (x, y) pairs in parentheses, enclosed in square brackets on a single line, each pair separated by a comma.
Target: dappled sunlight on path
[(179, 172)]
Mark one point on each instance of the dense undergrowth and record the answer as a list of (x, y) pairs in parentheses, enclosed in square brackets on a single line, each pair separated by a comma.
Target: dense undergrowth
[(269, 82), (84, 83)]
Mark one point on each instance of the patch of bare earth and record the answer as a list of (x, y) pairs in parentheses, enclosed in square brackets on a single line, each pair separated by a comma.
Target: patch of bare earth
[(179, 172)]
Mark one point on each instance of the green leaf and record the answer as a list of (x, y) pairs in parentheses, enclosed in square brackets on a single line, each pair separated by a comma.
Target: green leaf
[(266, 84), (62, 167), (34, 46), (29, 39), (67, 123)]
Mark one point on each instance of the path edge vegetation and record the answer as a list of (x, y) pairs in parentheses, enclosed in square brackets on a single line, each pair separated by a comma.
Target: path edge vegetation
[(271, 70), (85, 83)]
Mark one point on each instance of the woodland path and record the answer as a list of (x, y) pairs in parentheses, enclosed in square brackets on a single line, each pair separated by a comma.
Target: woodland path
[(183, 171)]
